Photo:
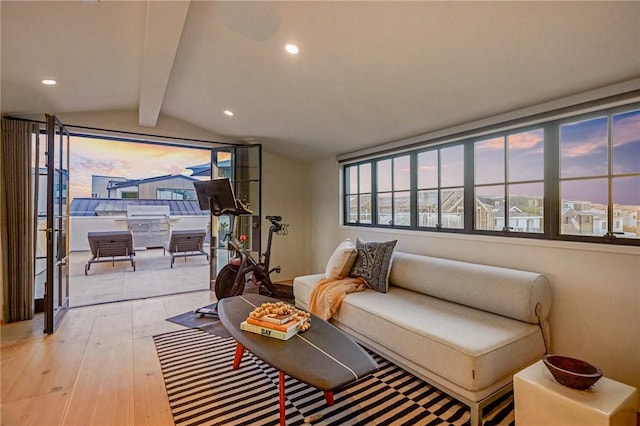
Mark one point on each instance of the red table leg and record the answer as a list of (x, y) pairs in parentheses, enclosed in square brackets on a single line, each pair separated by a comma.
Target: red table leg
[(282, 411), (328, 395), (238, 357)]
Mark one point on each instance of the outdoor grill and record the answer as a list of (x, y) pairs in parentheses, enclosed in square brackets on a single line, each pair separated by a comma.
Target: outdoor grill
[(149, 225)]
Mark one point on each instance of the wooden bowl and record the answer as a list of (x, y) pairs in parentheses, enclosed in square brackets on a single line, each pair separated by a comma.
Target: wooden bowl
[(571, 372)]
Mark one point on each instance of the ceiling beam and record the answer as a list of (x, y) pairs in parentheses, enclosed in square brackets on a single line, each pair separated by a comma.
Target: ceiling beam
[(165, 21)]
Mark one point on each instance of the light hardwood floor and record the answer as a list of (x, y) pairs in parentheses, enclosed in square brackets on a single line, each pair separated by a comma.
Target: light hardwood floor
[(99, 368)]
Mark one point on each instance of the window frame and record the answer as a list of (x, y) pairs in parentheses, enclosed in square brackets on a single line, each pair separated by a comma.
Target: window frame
[(550, 180)]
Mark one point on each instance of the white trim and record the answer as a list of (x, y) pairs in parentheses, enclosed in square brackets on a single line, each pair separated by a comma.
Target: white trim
[(560, 244)]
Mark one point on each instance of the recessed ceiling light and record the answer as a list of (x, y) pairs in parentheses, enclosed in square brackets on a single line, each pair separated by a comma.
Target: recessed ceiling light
[(49, 82), (228, 113), (292, 48)]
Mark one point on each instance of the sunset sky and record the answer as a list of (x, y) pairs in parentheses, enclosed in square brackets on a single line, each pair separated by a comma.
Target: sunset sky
[(125, 159)]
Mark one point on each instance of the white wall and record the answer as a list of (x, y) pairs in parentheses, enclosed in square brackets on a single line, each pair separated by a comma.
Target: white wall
[(595, 314), (285, 192)]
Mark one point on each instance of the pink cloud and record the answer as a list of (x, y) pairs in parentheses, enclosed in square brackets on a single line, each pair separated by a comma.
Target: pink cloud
[(626, 130), (525, 140), (490, 144)]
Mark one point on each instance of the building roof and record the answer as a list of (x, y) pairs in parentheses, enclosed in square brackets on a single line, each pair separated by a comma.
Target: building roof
[(118, 207), (204, 170), (136, 182)]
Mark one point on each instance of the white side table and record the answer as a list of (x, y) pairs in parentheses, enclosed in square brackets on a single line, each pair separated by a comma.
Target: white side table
[(541, 401)]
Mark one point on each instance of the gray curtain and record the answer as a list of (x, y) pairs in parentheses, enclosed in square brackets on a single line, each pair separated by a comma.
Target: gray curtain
[(16, 219)]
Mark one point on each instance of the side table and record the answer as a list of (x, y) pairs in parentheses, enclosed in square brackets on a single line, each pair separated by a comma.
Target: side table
[(540, 400)]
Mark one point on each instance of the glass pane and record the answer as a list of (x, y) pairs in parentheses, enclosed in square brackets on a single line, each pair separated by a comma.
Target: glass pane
[(584, 207), (402, 208), (365, 178), (489, 161), (428, 208), (384, 175), (384, 209), (526, 155), (352, 180), (453, 208), (365, 208), (626, 142), (583, 148), (351, 207), (490, 208), (626, 207), (428, 169), (401, 174), (526, 207), (452, 166)]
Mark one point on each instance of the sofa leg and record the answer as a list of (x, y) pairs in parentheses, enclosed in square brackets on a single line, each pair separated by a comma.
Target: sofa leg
[(476, 415)]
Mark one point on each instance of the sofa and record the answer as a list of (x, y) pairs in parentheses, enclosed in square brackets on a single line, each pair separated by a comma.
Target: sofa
[(464, 328)]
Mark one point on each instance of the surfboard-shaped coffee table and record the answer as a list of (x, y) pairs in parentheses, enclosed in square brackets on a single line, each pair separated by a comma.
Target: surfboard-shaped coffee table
[(323, 356)]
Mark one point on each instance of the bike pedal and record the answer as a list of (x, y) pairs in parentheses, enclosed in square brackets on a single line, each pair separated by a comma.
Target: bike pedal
[(277, 269)]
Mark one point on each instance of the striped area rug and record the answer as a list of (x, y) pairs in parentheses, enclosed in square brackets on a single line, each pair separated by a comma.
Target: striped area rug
[(204, 390)]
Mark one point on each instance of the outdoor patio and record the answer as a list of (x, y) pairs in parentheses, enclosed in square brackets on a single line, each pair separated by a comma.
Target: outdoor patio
[(107, 282)]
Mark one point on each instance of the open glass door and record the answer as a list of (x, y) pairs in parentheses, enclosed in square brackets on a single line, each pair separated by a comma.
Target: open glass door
[(56, 297), (247, 187)]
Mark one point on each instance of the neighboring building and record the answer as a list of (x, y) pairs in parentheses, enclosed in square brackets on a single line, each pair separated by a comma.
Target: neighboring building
[(100, 185), (167, 187)]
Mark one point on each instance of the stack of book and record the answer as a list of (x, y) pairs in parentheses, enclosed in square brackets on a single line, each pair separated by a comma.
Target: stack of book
[(277, 326)]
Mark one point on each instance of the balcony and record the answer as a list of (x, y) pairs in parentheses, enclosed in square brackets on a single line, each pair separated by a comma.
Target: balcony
[(107, 282), (111, 282)]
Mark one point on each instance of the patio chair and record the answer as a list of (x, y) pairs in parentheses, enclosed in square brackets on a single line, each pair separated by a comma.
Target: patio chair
[(110, 246), (185, 243)]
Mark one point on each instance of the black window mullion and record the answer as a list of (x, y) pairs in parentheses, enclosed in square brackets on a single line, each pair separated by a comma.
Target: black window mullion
[(393, 193), (374, 193), (413, 190), (552, 181), (610, 213), (507, 220), (469, 192), (439, 191)]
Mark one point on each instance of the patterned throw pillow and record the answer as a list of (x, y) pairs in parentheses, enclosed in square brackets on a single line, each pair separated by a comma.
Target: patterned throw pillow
[(373, 263)]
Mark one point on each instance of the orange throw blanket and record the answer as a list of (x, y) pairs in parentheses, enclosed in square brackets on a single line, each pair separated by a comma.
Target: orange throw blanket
[(327, 296)]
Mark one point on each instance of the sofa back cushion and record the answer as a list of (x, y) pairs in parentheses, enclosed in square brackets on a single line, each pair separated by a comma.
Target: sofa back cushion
[(341, 261), (508, 292)]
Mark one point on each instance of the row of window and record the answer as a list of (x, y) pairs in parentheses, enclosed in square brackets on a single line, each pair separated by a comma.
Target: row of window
[(575, 179)]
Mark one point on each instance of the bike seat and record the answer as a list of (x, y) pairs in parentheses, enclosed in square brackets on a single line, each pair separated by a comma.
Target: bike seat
[(274, 218)]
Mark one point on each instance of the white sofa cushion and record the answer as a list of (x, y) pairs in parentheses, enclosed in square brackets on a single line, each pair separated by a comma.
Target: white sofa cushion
[(302, 288), (469, 347), (341, 260), (521, 295)]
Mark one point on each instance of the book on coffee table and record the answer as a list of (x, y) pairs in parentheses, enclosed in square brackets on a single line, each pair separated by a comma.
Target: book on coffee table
[(268, 332), (277, 318), (286, 327)]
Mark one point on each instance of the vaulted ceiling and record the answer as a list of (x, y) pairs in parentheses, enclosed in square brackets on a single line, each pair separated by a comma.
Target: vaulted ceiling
[(367, 72)]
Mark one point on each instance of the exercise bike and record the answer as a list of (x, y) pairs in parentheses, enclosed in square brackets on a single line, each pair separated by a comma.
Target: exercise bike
[(217, 196), (243, 268)]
